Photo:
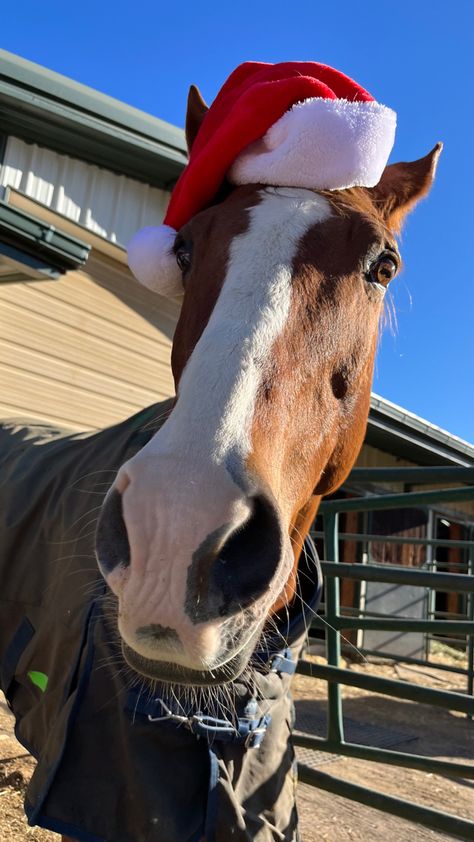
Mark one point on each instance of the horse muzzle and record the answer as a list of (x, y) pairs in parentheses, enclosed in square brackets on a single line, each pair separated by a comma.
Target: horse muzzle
[(193, 596)]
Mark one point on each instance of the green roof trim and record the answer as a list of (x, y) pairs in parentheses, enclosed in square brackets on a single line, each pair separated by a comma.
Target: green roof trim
[(25, 233), (43, 107)]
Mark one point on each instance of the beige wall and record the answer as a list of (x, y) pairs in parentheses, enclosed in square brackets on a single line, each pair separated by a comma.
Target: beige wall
[(86, 350), (372, 457)]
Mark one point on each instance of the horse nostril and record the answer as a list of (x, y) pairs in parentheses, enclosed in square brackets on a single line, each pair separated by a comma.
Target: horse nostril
[(241, 571), (111, 538), (159, 634)]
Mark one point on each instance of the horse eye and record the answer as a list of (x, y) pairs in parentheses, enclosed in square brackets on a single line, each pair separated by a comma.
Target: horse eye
[(183, 258), (383, 270)]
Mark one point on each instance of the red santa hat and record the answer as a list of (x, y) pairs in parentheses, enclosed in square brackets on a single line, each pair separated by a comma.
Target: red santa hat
[(293, 124)]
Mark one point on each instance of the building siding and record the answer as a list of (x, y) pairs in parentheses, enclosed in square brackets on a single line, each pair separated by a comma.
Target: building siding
[(85, 351), (104, 202)]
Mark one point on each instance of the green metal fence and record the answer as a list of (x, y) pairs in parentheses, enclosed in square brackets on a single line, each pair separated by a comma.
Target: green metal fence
[(334, 621)]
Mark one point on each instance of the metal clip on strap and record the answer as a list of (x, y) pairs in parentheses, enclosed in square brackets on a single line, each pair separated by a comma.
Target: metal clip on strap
[(247, 730), (282, 662)]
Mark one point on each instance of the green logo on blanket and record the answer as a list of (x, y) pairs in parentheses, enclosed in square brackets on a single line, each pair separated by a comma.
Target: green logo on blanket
[(38, 678)]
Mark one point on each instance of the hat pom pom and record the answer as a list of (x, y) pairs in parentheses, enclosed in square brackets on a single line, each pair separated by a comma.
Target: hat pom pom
[(153, 262)]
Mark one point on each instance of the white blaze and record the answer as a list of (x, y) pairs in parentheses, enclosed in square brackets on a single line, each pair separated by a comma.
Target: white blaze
[(185, 483), (218, 388)]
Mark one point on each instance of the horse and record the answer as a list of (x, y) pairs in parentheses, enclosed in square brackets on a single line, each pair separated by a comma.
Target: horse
[(200, 537)]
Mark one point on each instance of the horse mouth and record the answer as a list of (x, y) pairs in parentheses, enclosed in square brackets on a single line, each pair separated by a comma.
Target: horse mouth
[(168, 672)]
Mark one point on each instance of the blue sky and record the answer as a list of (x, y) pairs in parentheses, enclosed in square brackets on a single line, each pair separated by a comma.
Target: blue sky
[(417, 57)]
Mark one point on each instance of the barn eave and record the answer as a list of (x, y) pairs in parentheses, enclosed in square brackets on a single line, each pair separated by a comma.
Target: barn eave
[(26, 238), (395, 430), (43, 107)]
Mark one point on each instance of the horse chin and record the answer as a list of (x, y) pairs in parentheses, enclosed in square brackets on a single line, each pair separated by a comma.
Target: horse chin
[(169, 673)]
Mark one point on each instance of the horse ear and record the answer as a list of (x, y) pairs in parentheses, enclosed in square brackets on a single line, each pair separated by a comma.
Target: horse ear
[(403, 185), (195, 113)]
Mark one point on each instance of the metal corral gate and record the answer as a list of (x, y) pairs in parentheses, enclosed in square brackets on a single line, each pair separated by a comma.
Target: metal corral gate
[(335, 676)]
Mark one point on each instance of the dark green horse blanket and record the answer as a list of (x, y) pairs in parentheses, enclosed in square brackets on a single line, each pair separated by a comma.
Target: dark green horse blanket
[(109, 767)]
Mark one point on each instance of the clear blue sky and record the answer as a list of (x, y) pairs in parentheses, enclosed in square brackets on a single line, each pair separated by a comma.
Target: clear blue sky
[(415, 56)]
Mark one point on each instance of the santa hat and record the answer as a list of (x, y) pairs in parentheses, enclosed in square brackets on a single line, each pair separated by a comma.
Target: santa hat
[(293, 124)]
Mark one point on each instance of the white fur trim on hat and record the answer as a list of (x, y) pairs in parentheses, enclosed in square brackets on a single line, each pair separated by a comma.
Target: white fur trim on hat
[(153, 262), (322, 144)]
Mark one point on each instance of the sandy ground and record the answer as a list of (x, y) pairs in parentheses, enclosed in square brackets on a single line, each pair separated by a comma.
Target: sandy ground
[(324, 816)]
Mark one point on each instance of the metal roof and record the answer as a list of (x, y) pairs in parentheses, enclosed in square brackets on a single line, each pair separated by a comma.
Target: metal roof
[(44, 107), (406, 435)]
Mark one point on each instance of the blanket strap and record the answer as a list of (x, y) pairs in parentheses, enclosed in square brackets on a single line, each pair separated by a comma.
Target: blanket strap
[(282, 662), (248, 730)]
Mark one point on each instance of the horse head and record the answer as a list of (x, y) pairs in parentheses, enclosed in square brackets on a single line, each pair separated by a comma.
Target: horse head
[(273, 355)]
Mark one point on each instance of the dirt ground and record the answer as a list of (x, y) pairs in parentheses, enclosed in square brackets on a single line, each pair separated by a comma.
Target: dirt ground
[(439, 734), (323, 816)]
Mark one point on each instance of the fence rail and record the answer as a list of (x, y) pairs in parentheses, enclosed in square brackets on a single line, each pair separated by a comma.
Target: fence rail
[(334, 621)]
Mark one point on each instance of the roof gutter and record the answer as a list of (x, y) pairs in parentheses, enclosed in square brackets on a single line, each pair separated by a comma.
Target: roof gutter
[(43, 107), (406, 435), (26, 234)]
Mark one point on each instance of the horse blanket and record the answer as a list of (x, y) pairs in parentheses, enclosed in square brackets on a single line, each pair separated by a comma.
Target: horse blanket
[(116, 762)]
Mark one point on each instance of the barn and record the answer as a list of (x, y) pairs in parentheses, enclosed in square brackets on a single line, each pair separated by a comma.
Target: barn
[(83, 346)]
